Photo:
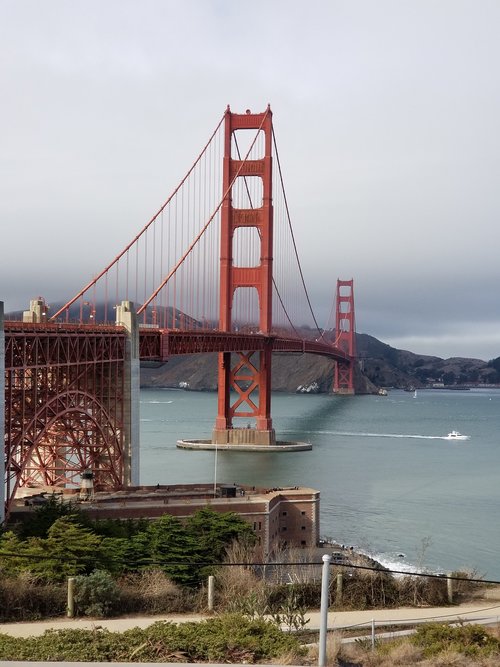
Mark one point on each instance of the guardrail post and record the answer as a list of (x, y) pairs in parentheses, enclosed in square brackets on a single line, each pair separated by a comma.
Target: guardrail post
[(323, 627), (71, 597), (340, 584), (211, 592), (449, 589)]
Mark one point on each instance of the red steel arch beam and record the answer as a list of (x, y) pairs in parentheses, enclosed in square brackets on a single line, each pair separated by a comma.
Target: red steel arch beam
[(345, 337), (70, 433), (247, 371), (64, 405)]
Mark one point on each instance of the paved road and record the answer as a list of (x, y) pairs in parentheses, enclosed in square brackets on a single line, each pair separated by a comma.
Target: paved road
[(483, 612), (480, 611)]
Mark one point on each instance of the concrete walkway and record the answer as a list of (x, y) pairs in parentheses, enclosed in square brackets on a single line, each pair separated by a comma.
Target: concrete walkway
[(482, 611), (407, 616)]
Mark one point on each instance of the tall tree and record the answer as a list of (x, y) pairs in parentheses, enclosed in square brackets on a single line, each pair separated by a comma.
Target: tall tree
[(73, 549), (174, 549), (215, 531)]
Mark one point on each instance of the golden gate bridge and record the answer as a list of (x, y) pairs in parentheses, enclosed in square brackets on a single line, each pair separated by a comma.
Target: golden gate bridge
[(216, 269)]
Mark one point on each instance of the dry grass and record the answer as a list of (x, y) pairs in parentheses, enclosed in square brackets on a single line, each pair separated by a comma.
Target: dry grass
[(152, 592), (299, 571), (453, 659), (25, 597), (362, 589), (401, 654), (238, 588), (155, 583), (465, 589), (290, 658), (333, 650), (405, 654)]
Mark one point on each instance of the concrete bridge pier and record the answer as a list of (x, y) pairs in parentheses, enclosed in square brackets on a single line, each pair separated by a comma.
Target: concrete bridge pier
[(127, 318), (243, 436)]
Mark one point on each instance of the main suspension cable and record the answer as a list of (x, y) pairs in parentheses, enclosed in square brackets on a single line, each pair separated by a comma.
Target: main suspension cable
[(143, 230), (205, 227), (292, 234)]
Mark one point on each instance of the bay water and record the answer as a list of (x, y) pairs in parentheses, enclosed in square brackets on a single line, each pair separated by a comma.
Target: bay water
[(391, 484)]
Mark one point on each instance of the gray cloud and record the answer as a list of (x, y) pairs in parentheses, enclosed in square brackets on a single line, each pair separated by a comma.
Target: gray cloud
[(386, 119)]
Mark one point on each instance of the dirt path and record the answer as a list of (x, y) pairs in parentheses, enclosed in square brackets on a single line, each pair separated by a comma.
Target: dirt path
[(481, 611)]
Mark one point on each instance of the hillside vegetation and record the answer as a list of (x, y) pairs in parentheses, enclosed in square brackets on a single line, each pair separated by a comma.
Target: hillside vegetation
[(380, 365)]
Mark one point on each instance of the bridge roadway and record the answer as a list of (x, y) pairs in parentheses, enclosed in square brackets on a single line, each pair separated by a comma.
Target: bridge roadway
[(159, 344)]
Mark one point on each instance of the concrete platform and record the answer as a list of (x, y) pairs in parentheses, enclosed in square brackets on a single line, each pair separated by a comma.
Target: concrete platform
[(280, 446)]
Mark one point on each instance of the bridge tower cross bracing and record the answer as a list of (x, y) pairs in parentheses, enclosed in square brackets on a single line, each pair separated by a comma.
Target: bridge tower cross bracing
[(249, 377), (345, 337)]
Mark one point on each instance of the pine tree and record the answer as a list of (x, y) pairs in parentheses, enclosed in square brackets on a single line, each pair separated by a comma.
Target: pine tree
[(73, 549), (173, 549)]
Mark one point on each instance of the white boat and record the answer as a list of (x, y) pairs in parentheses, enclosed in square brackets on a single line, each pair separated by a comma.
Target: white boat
[(456, 435)]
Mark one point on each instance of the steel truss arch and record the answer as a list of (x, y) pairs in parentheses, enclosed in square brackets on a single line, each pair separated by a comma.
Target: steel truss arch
[(71, 433), (65, 406)]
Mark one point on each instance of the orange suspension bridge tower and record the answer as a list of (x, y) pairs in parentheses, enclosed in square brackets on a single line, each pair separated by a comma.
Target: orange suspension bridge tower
[(71, 387), (248, 378)]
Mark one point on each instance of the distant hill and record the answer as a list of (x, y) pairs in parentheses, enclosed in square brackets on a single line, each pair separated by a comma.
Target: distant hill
[(309, 373), (387, 366), (379, 365)]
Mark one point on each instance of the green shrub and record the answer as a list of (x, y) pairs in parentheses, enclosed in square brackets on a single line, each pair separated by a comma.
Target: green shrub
[(308, 594), (471, 640), (38, 523), (96, 594), (230, 638)]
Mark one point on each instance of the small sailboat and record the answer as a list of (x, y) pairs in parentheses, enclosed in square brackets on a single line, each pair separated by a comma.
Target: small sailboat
[(415, 394)]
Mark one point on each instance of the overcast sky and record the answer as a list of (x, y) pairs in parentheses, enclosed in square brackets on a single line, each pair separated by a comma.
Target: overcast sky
[(386, 115)]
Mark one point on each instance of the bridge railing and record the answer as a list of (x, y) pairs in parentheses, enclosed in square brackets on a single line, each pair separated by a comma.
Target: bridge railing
[(159, 344)]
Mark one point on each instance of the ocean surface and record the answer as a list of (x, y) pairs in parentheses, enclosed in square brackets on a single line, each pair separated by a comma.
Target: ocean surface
[(391, 484)]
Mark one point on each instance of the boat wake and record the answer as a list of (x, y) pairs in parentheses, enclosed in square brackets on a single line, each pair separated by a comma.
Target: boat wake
[(367, 434)]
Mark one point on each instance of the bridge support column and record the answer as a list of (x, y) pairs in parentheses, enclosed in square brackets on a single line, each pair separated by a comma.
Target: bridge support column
[(344, 380), (245, 377), (345, 337), (126, 317), (2, 416)]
